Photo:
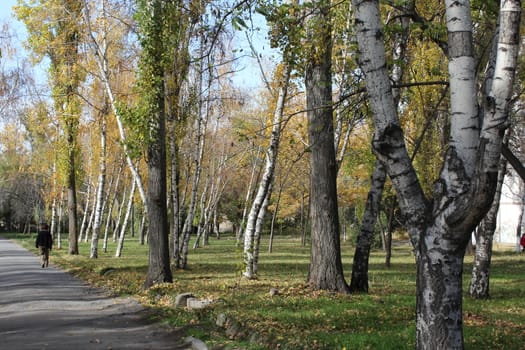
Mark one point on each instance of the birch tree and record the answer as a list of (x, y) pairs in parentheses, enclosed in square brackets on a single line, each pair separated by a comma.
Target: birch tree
[(260, 201), (101, 186), (440, 228), (480, 278), (103, 45)]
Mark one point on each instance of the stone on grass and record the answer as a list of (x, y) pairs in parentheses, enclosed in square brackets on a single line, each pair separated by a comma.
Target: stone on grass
[(221, 320), (196, 304), (195, 344), (181, 300)]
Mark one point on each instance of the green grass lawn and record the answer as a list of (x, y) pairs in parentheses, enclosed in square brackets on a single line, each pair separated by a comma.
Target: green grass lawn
[(297, 318)]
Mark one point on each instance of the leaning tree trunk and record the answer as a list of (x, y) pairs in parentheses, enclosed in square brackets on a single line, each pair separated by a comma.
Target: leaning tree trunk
[(258, 209), (326, 268), (359, 282), (479, 283), (100, 53), (241, 227)]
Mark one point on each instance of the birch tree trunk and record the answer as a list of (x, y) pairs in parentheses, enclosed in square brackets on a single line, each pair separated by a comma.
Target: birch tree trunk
[(440, 229), (99, 203), (359, 281), (258, 230), (124, 226), (175, 197), (240, 231), (200, 225), (85, 212), (326, 268), (202, 122), (120, 205), (100, 50), (258, 210), (479, 282), (109, 215)]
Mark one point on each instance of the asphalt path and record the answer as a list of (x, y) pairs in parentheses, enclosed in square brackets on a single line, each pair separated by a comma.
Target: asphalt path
[(47, 308)]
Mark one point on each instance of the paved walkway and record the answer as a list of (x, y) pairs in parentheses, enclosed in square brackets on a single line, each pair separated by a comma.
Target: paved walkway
[(46, 308)]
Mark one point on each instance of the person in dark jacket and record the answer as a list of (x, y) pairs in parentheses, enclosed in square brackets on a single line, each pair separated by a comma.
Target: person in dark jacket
[(44, 243)]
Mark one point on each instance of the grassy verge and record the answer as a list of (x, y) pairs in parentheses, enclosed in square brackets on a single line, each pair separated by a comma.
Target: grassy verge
[(297, 318)]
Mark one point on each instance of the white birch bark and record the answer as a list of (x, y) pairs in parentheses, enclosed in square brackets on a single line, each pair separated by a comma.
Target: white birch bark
[(86, 211), (89, 223), (200, 225), (240, 231), (100, 53), (480, 278), (464, 119), (124, 226), (99, 203), (258, 210), (120, 205), (200, 142), (109, 215), (258, 230), (359, 280)]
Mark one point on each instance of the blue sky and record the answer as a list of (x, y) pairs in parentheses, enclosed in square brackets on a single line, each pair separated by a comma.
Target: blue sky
[(249, 77), (6, 9)]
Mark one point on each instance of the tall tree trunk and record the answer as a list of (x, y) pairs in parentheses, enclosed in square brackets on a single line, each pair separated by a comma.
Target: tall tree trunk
[(190, 216), (365, 237), (99, 204), (202, 209), (258, 231), (390, 231), (203, 112), (100, 50), (359, 282), (152, 75), (72, 201), (124, 227), (109, 215), (120, 205), (240, 231), (60, 218), (258, 209), (176, 227), (326, 268), (479, 282), (274, 217)]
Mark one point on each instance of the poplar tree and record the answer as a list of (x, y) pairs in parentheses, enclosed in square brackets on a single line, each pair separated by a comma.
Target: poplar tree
[(326, 268), (150, 17), (54, 29)]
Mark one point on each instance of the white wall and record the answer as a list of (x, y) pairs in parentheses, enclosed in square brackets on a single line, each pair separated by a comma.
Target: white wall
[(509, 209)]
